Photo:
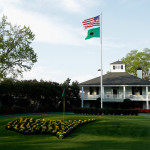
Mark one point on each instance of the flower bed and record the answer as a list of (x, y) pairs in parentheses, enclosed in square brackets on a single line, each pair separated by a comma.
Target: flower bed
[(52, 127), (143, 110)]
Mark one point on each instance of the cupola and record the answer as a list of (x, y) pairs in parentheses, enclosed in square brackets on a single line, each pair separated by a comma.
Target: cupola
[(117, 66)]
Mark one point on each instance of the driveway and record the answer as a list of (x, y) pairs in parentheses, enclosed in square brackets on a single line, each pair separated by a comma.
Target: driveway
[(144, 114)]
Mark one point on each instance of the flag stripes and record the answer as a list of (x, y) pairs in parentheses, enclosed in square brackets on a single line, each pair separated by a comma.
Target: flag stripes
[(94, 21)]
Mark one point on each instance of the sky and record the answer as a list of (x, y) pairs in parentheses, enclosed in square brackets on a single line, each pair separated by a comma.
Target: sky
[(60, 41)]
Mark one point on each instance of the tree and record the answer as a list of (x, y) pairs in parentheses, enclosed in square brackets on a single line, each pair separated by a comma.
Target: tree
[(16, 54), (75, 99), (135, 60), (127, 104), (8, 101), (22, 102), (98, 102), (72, 91)]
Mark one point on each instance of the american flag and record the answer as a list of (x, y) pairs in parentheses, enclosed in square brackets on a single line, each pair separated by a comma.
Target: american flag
[(95, 21)]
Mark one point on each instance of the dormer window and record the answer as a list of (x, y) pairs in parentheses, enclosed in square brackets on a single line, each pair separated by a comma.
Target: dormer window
[(117, 67)]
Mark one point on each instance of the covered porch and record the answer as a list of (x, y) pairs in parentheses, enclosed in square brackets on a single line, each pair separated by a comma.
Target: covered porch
[(116, 94)]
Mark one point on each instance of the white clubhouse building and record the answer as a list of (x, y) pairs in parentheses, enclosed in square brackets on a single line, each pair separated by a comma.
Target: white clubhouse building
[(117, 86)]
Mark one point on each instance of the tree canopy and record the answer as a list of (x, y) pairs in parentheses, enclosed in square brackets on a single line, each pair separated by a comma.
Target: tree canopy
[(72, 91), (39, 95), (16, 54), (135, 60)]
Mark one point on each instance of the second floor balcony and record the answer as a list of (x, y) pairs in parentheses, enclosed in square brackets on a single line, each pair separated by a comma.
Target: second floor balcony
[(115, 97)]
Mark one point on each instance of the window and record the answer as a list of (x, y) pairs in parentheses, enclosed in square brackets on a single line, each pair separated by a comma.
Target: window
[(117, 67), (97, 90), (136, 90), (115, 92), (91, 90)]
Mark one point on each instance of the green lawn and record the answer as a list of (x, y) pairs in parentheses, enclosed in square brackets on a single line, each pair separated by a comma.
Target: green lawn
[(108, 132)]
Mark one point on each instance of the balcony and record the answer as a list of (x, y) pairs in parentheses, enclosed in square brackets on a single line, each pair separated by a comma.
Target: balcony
[(106, 96), (90, 97), (136, 97), (117, 97), (113, 96)]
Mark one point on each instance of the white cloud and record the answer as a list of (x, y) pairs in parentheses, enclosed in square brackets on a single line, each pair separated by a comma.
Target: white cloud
[(107, 43), (84, 77), (47, 74), (7, 2), (52, 30), (73, 6), (44, 73), (80, 6)]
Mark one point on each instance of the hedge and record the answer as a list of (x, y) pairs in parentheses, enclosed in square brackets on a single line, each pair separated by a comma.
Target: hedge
[(96, 111), (142, 110)]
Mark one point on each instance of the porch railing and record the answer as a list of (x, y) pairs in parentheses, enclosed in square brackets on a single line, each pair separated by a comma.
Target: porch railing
[(117, 96), (106, 96), (113, 96), (136, 97), (94, 97)]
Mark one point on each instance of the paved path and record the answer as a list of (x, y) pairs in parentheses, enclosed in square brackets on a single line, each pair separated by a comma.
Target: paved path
[(54, 113), (144, 114)]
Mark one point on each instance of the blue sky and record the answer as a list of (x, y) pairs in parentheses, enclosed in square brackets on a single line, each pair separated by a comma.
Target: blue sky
[(59, 42)]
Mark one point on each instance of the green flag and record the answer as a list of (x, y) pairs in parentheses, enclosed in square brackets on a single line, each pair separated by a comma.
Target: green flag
[(95, 32), (63, 94)]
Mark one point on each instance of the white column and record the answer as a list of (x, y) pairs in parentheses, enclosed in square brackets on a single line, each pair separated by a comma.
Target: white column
[(103, 92), (100, 91), (124, 92), (82, 97), (147, 103)]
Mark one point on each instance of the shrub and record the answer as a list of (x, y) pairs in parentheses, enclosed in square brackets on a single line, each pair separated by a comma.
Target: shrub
[(95, 111), (98, 103), (106, 111), (127, 103), (7, 101), (100, 111)]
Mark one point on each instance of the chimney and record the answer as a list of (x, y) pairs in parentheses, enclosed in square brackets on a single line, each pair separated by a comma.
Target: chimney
[(99, 72), (139, 73)]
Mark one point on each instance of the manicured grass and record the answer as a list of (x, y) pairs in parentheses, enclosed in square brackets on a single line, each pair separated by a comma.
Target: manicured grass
[(108, 132)]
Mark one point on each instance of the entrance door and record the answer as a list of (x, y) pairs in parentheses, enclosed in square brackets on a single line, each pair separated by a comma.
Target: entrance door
[(115, 92)]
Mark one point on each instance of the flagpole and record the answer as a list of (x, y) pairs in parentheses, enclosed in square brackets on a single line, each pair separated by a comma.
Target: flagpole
[(101, 78), (63, 108), (93, 33), (63, 97)]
